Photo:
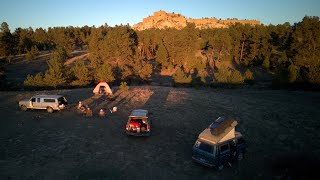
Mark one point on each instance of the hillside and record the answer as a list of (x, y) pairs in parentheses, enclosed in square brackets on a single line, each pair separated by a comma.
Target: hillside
[(162, 19)]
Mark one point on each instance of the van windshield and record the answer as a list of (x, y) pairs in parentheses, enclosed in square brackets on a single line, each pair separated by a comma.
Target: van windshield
[(205, 147)]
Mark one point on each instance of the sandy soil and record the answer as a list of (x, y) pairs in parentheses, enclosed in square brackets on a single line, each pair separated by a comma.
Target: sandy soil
[(280, 127)]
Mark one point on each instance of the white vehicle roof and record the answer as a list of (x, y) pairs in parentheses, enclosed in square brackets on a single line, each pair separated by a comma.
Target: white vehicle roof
[(139, 113), (48, 96)]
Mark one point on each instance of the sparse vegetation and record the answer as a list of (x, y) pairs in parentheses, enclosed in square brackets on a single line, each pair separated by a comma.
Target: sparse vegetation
[(56, 75)]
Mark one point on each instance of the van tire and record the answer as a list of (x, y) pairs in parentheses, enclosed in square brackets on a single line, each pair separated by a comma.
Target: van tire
[(240, 156), (23, 108), (50, 109)]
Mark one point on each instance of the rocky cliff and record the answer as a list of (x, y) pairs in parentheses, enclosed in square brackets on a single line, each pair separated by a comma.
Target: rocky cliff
[(162, 19)]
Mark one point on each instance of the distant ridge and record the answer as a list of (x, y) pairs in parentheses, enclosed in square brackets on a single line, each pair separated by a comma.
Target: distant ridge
[(162, 19)]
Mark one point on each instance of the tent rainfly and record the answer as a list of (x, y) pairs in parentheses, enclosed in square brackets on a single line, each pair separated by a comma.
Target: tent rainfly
[(102, 88)]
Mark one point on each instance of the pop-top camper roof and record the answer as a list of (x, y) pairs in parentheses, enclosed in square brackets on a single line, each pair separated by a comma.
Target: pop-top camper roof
[(220, 130)]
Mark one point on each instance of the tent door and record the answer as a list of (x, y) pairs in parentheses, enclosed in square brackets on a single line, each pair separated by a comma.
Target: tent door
[(102, 90)]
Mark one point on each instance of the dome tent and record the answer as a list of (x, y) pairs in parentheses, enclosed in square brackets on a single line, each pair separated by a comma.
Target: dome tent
[(102, 88)]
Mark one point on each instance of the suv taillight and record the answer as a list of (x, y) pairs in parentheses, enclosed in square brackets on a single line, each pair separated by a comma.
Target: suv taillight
[(148, 127), (127, 126)]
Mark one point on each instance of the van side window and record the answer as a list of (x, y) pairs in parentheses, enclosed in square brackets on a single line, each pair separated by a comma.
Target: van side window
[(38, 100), (33, 100), (224, 148), (49, 100)]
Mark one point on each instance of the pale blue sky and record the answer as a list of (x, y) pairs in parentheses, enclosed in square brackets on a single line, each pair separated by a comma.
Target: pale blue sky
[(51, 13)]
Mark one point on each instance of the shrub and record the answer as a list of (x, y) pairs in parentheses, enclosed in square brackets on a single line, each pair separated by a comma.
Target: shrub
[(235, 77), (227, 76), (266, 63), (123, 87), (222, 75), (248, 77), (181, 78), (33, 53), (34, 81), (292, 73), (314, 74)]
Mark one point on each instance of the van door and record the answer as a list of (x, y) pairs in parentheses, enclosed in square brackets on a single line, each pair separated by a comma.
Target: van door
[(32, 102), (224, 153), (36, 103)]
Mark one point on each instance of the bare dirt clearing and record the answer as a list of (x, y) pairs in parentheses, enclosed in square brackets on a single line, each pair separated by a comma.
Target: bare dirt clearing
[(275, 123)]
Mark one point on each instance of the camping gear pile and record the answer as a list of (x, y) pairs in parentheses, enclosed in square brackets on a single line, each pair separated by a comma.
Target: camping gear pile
[(84, 110)]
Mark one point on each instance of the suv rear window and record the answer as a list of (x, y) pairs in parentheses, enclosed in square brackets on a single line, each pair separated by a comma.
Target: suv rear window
[(49, 100), (204, 147), (62, 100)]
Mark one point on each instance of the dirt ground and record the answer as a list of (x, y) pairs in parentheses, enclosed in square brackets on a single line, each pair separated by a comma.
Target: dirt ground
[(280, 128)]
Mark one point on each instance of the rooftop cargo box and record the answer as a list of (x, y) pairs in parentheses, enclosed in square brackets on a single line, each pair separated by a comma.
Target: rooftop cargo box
[(222, 129)]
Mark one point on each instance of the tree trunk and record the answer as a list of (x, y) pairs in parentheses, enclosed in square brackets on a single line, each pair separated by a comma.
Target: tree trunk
[(211, 61), (241, 53)]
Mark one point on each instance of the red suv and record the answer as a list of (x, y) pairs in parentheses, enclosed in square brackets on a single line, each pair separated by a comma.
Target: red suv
[(138, 123)]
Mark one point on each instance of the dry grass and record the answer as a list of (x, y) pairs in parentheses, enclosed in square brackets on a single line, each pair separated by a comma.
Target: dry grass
[(65, 144)]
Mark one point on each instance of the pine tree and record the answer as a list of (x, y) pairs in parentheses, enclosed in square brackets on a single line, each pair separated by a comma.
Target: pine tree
[(81, 74), (163, 56), (306, 41), (56, 74), (104, 73)]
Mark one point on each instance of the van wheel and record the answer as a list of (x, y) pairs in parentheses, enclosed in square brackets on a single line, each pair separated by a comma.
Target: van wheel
[(23, 108), (240, 156), (220, 167), (49, 109)]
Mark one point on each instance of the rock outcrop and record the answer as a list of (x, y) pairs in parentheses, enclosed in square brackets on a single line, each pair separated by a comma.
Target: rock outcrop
[(162, 20)]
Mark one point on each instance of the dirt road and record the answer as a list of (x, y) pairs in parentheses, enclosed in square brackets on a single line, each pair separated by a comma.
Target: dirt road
[(280, 127)]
